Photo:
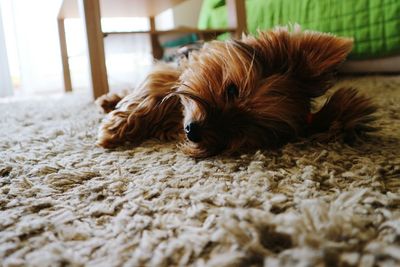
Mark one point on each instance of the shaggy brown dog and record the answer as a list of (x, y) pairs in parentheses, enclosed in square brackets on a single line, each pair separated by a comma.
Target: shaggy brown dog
[(236, 95)]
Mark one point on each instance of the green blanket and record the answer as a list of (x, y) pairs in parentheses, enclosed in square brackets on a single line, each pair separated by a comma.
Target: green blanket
[(374, 24)]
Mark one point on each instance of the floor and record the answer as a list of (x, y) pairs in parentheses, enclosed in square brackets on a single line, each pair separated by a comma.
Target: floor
[(65, 201)]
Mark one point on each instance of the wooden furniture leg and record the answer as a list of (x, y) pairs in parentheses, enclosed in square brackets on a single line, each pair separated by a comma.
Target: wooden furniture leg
[(64, 56), (155, 44), (90, 12), (237, 16)]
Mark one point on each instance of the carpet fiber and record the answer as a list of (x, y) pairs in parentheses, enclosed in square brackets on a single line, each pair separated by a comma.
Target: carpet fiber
[(66, 202)]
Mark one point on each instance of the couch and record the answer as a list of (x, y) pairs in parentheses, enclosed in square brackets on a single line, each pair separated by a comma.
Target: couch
[(374, 25)]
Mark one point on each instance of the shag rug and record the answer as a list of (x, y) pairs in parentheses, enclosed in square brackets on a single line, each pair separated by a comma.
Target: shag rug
[(66, 202)]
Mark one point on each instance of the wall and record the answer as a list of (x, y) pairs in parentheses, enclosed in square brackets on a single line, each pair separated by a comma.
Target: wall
[(187, 13), (5, 80), (36, 43)]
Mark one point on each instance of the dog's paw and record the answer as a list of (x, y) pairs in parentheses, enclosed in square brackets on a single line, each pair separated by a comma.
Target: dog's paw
[(113, 130), (108, 102)]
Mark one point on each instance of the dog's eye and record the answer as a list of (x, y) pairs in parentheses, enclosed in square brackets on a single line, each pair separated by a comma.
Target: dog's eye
[(232, 92)]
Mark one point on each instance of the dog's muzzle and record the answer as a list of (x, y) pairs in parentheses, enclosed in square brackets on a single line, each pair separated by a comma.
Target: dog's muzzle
[(193, 132)]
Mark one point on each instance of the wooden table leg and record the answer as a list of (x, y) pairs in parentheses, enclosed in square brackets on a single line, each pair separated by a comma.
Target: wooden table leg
[(64, 56), (155, 44), (237, 16), (90, 12)]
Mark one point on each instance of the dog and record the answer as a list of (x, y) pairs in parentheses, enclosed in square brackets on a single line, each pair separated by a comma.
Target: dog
[(239, 95)]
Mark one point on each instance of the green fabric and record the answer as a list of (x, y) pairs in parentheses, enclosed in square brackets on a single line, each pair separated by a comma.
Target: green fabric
[(374, 24)]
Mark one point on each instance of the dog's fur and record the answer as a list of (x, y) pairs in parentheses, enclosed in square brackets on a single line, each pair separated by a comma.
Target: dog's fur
[(242, 94)]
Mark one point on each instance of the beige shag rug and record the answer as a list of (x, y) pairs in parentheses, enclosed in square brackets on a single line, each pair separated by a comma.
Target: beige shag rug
[(66, 202)]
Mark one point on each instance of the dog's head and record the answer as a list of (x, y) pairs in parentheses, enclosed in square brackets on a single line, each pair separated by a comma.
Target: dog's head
[(255, 92)]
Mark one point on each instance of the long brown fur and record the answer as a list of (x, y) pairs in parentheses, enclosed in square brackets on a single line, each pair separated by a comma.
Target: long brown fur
[(247, 94)]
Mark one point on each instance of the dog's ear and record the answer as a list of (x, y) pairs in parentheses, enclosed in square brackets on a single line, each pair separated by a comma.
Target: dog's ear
[(311, 58)]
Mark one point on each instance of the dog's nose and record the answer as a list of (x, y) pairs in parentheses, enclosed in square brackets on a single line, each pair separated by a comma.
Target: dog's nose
[(192, 131)]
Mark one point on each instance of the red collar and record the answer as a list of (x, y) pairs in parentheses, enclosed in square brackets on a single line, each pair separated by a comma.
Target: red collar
[(309, 118)]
